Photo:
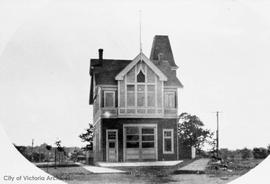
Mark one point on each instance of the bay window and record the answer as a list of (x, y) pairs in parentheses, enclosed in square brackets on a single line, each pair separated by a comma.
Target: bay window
[(141, 93)]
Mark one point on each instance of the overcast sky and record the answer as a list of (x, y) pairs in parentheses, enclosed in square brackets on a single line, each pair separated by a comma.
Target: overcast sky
[(221, 48)]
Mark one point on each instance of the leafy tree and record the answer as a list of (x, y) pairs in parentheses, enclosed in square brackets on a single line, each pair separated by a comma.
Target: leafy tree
[(260, 153), (191, 131), (88, 137)]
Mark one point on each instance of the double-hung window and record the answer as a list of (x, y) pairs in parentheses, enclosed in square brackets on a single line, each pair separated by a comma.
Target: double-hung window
[(109, 99), (170, 100), (168, 141)]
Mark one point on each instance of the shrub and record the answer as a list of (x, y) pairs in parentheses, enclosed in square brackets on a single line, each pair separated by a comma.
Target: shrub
[(246, 153)]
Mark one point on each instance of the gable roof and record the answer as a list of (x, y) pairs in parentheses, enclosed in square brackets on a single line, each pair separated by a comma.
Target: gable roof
[(139, 57), (106, 73), (161, 45)]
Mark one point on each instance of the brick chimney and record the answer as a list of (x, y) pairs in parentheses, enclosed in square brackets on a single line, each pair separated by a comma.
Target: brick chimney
[(100, 56)]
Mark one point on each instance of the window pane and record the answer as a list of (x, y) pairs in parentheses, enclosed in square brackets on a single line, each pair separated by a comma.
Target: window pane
[(132, 130), (140, 77), (132, 145), (151, 99), (141, 99), (130, 88), (148, 145), (130, 99), (148, 137), (167, 133), (112, 135), (151, 88), (109, 99), (141, 88), (132, 137), (111, 144), (168, 145), (147, 130)]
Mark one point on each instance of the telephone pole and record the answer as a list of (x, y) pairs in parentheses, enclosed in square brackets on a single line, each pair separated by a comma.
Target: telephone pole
[(217, 133)]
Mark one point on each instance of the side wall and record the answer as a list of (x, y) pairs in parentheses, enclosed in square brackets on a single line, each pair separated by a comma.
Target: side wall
[(118, 124), (97, 139)]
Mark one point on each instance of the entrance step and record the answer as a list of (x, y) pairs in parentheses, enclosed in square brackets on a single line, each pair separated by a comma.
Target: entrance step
[(139, 164)]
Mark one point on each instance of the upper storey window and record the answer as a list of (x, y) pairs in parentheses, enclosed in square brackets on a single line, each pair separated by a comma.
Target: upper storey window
[(170, 100), (109, 99), (140, 77)]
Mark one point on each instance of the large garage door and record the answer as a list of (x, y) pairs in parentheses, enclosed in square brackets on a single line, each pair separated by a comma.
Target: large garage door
[(140, 143)]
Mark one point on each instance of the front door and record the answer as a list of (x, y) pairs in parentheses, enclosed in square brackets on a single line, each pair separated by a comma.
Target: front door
[(112, 145)]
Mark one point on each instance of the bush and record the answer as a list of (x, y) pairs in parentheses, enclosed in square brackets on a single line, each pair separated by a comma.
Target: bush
[(260, 153), (246, 153)]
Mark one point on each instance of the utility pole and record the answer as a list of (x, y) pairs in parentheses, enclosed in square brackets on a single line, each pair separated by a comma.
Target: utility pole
[(217, 133), (32, 156)]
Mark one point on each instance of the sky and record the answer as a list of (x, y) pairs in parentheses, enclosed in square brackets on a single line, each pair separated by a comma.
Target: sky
[(220, 46)]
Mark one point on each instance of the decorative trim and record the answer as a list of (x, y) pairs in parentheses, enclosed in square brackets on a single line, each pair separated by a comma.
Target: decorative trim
[(140, 56), (107, 86)]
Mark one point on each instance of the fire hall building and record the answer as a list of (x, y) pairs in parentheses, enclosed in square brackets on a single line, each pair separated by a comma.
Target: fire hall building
[(135, 107)]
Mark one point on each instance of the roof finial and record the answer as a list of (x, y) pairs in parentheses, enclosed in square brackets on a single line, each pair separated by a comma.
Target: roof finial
[(140, 14)]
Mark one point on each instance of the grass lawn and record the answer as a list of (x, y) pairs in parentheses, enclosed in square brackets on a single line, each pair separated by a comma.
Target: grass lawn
[(235, 167)]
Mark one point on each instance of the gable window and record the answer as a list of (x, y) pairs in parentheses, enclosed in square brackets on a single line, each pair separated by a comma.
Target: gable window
[(140, 77), (131, 95), (109, 99), (168, 141), (170, 100)]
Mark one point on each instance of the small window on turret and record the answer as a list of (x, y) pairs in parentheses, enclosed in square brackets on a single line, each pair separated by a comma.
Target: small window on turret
[(140, 77)]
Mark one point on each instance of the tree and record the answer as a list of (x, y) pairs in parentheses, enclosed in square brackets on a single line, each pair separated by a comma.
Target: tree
[(60, 151), (191, 131), (260, 153), (88, 137)]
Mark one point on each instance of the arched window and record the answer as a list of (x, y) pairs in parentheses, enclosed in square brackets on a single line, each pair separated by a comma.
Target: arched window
[(140, 77)]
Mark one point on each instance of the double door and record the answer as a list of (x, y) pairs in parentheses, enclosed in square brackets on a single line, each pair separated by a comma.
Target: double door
[(140, 142)]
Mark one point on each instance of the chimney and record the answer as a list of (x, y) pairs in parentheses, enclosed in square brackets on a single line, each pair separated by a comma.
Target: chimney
[(100, 54)]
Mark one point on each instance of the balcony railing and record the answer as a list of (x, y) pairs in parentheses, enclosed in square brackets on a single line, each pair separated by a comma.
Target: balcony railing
[(110, 112)]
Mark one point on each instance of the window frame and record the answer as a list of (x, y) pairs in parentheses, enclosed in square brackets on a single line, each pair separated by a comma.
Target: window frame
[(104, 102), (167, 137), (174, 100)]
